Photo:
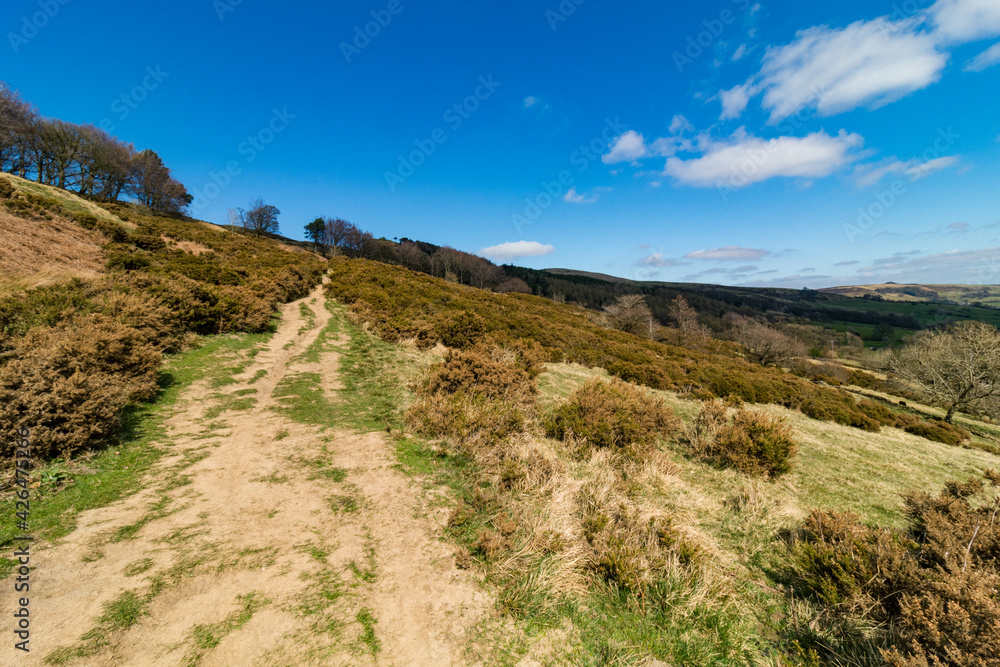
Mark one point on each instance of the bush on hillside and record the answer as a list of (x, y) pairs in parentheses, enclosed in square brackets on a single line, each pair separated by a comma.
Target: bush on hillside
[(751, 441), (478, 396), (6, 189), (613, 414), (398, 304), (933, 588), (628, 549), (69, 383)]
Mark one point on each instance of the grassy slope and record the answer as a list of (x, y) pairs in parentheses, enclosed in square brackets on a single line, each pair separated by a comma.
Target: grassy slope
[(734, 613)]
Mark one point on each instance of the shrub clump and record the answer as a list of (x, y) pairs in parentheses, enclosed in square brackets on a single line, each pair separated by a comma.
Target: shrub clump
[(70, 383), (613, 414), (752, 441), (932, 589), (627, 549), (479, 395)]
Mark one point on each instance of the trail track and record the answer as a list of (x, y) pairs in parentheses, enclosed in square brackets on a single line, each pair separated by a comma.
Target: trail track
[(258, 540)]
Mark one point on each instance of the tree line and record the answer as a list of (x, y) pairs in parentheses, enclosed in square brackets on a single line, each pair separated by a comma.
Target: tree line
[(337, 236), (82, 158)]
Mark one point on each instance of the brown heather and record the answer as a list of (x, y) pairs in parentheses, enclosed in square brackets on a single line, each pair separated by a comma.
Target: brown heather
[(403, 305), (932, 590), (613, 414)]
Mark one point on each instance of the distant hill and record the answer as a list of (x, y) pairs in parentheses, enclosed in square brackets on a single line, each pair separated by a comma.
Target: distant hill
[(873, 316), (987, 295)]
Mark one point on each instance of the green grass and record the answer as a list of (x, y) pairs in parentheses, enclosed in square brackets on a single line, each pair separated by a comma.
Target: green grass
[(116, 472), (207, 636), (119, 615), (367, 620)]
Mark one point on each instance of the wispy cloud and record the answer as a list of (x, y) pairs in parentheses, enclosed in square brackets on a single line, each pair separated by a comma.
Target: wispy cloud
[(867, 64), (730, 253), (658, 260), (513, 250), (573, 197), (984, 60), (868, 175), (959, 21)]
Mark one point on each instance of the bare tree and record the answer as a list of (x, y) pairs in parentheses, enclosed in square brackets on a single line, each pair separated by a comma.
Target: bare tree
[(685, 318), (629, 312), (337, 232), (765, 345), (955, 368), (153, 185), (259, 218)]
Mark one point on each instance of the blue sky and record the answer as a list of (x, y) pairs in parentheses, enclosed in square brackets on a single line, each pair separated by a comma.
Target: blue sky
[(735, 142)]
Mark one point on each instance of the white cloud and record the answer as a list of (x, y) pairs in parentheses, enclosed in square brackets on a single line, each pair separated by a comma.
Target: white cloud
[(658, 260), (679, 125), (734, 101), (513, 250), (732, 253), (955, 266), (965, 20), (629, 147), (984, 60), (868, 175), (745, 159), (740, 52), (573, 197), (925, 169), (868, 63), (530, 101)]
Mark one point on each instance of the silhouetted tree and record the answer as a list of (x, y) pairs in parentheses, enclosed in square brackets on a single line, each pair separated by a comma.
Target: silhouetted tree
[(259, 218), (316, 232)]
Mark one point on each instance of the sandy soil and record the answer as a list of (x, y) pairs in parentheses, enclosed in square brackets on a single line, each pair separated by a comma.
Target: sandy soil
[(318, 526)]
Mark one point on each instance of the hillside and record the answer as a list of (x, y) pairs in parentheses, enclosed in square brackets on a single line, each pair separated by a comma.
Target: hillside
[(966, 295), (839, 309), (351, 462)]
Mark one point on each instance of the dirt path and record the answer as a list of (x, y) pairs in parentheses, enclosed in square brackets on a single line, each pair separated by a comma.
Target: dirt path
[(258, 540)]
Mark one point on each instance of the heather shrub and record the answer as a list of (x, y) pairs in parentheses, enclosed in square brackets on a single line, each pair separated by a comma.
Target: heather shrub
[(935, 430), (155, 324), (483, 394), (933, 589), (6, 189), (613, 414), (69, 383), (628, 549), (841, 410), (751, 441)]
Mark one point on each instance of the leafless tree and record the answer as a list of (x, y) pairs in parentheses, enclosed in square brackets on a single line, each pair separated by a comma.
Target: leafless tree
[(955, 368), (629, 312), (151, 184), (259, 218), (685, 318), (765, 345), (337, 231)]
